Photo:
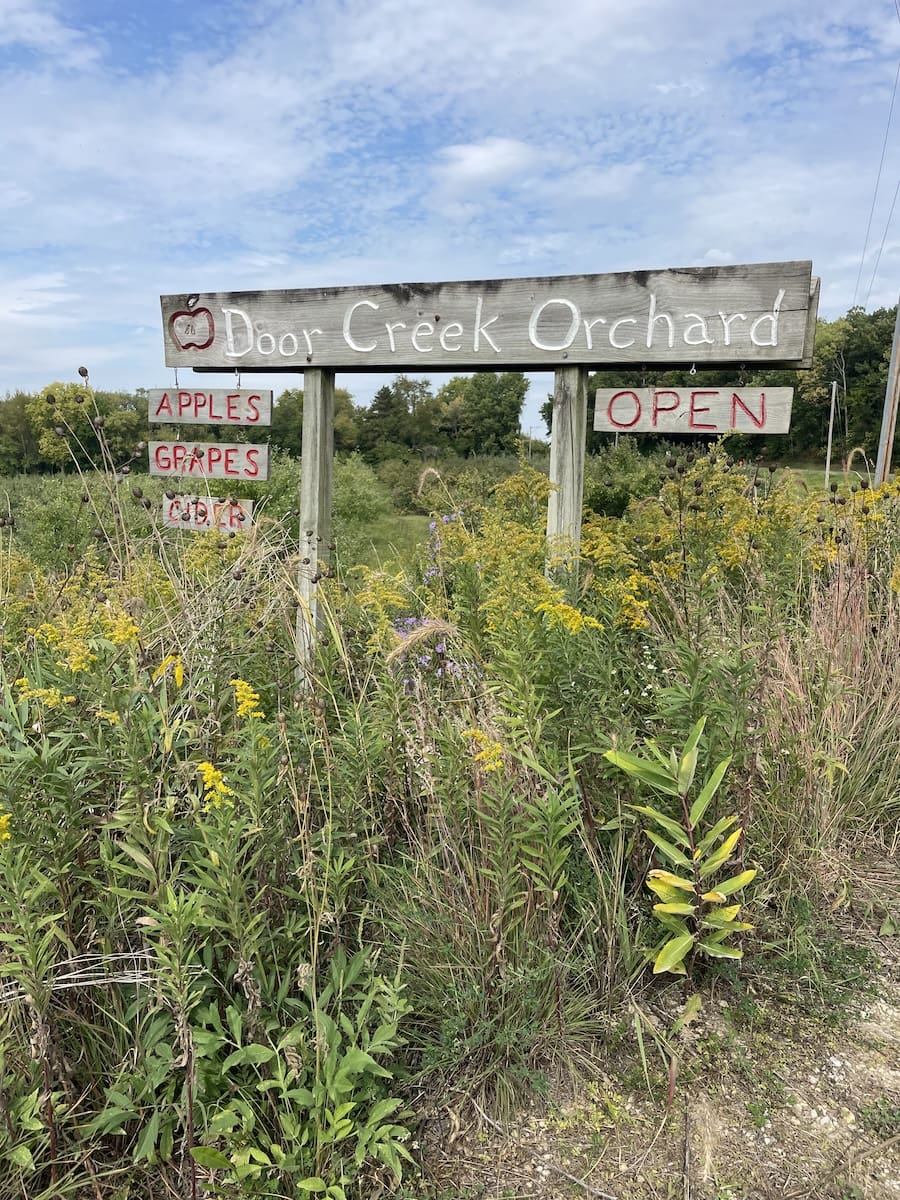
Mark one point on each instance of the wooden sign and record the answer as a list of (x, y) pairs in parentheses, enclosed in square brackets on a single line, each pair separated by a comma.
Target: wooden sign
[(207, 512), (693, 410), (210, 460), (214, 406), (762, 313)]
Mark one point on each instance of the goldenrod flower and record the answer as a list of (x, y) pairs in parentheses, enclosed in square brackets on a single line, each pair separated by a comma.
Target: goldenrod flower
[(215, 789), (5, 835), (489, 754), (246, 698)]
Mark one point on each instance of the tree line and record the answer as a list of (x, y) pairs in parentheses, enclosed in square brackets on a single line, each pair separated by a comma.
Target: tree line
[(477, 414)]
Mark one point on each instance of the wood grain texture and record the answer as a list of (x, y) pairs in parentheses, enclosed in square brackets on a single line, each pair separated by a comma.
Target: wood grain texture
[(210, 460), (757, 313), (209, 406), (567, 447), (316, 475), (693, 410), (200, 513)]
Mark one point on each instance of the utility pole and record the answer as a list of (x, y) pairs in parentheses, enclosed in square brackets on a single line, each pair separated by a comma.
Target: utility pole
[(830, 432), (889, 419)]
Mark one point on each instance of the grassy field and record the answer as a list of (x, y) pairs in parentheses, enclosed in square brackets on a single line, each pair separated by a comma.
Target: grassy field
[(513, 828)]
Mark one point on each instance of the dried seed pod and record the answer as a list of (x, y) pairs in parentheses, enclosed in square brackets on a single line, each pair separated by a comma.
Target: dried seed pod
[(137, 493), (83, 372), (59, 431), (50, 398), (98, 422), (170, 495), (146, 502)]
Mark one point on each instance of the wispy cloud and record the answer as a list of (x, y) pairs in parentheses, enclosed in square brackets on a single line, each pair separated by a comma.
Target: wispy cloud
[(234, 144)]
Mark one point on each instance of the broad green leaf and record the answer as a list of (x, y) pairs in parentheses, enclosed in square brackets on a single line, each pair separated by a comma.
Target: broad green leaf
[(717, 830), (206, 1156), (666, 823), (146, 1147), (254, 1053), (716, 916), (646, 771), (717, 950), (690, 1010), (678, 910), (700, 805), (672, 853), (729, 886), (676, 881), (312, 1184), (688, 765), (21, 1156), (673, 924), (672, 953), (722, 855)]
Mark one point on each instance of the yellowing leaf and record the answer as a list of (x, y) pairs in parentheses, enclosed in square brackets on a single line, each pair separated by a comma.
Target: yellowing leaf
[(679, 910), (672, 953), (735, 884), (714, 897), (676, 881)]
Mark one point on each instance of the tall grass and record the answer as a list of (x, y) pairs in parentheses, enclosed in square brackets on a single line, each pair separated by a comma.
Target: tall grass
[(251, 931)]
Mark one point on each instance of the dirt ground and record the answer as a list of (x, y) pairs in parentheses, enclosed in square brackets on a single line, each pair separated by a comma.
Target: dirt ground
[(782, 1091)]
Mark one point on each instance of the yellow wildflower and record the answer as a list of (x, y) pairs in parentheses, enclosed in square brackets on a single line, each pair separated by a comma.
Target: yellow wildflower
[(565, 616), (5, 835), (246, 698), (174, 661), (121, 629), (489, 754), (215, 789), (49, 697), (108, 715)]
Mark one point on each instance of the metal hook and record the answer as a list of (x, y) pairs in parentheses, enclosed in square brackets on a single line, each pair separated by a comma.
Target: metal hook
[(643, 376), (742, 375), (176, 380), (693, 370), (237, 373)]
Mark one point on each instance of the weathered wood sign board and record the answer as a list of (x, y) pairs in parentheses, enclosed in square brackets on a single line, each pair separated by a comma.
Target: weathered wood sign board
[(210, 460), (207, 512), (754, 314), (214, 406), (693, 410)]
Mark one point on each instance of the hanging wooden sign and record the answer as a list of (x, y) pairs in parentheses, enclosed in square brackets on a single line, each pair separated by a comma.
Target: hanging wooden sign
[(212, 406), (700, 410), (758, 313), (200, 513), (210, 460)]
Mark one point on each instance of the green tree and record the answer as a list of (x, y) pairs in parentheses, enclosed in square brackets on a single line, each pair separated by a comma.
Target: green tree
[(481, 413), (19, 450), (286, 430)]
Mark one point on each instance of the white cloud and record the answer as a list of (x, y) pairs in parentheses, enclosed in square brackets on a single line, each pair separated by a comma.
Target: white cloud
[(352, 141)]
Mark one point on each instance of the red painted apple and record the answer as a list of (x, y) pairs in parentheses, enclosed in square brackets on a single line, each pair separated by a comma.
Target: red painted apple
[(192, 329)]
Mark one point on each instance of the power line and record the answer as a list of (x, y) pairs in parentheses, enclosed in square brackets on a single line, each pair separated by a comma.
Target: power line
[(878, 176), (883, 239)]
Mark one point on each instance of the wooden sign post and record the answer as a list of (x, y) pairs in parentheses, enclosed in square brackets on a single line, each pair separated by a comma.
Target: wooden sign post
[(209, 460), (758, 315)]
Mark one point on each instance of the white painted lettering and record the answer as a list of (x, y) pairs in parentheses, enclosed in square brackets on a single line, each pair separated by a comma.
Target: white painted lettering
[(481, 327), (427, 329), (270, 344), (231, 350), (698, 323), (390, 326), (572, 330), (348, 337), (283, 349), (772, 318), (726, 324), (308, 335), (451, 330), (588, 326), (614, 328), (653, 317)]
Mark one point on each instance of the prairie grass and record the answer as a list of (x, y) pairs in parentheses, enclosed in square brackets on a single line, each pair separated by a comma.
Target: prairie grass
[(252, 931)]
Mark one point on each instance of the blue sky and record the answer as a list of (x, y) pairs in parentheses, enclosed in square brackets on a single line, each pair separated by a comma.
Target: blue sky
[(161, 146)]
